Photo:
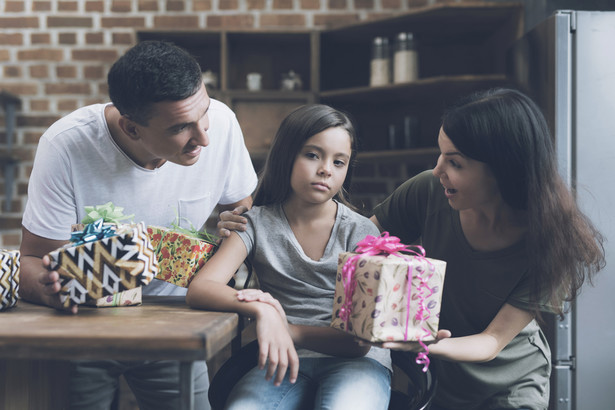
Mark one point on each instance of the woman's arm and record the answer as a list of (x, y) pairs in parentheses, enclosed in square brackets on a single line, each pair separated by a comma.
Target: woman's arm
[(481, 347), (208, 290)]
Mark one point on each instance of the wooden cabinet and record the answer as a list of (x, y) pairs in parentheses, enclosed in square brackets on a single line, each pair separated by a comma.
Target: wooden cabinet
[(461, 48)]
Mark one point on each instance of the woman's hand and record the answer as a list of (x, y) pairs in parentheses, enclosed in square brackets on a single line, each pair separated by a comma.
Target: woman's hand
[(415, 347), (231, 221), (275, 345)]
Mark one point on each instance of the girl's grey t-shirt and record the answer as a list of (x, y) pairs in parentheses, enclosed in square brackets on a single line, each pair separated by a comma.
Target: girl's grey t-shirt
[(303, 286)]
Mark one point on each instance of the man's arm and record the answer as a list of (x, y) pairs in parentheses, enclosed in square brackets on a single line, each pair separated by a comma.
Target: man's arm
[(37, 283)]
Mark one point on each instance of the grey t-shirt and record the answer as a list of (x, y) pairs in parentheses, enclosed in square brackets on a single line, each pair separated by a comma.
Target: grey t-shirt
[(303, 286)]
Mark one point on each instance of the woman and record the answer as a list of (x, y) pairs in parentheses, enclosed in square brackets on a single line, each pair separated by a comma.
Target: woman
[(496, 210)]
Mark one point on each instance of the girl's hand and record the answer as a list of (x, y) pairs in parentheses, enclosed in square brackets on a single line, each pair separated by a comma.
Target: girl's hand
[(415, 347), (275, 346), (257, 295)]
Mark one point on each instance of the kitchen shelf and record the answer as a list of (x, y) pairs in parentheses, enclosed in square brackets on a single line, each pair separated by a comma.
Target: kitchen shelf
[(424, 89), (461, 48), (409, 155)]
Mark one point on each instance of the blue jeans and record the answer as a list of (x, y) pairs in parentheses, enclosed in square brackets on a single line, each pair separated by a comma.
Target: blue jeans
[(155, 384), (323, 383)]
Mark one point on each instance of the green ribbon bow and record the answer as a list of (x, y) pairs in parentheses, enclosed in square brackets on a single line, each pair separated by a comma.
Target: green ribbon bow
[(108, 212)]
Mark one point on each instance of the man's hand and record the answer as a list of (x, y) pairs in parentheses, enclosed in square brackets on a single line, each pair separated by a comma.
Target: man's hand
[(49, 281), (38, 283), (231, 221)]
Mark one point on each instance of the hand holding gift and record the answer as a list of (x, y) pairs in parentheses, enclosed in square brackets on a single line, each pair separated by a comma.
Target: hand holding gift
[(384, 295), (103, 260)]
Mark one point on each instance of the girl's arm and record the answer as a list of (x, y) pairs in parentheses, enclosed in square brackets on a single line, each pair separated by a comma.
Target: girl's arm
[(320, 339), (481, 347), (208, 290), (327, 340)]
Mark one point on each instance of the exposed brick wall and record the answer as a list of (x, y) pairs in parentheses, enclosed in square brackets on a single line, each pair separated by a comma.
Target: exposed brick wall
[(55, 54)]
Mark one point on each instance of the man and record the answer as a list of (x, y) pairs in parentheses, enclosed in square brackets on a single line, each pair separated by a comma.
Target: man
[(163, 150)]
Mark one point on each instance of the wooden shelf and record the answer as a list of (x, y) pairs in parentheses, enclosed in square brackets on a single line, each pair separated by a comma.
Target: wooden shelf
[(422, 90), (266, 95), (410, 155)]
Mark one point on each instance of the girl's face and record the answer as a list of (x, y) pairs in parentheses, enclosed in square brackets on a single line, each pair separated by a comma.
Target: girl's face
[(320, 167), (468, 184)]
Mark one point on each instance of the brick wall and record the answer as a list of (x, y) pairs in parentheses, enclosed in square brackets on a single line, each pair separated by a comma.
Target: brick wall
[(55, 54)]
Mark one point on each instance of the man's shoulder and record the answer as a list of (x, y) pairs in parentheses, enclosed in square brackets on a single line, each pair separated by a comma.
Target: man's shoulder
[(219, 108), (84, 117)]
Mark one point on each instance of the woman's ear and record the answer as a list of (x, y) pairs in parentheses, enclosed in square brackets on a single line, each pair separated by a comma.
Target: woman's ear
[(129, 127)]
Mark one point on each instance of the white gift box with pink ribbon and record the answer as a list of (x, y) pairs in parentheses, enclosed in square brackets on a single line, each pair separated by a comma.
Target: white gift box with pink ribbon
[(387, 291)]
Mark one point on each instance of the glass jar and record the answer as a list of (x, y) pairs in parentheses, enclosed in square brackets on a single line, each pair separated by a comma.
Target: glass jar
[(380, 70), (405, 59)]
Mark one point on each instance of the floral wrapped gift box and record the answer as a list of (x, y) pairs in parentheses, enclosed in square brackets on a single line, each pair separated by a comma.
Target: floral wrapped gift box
[(181, 253), (9, 278), (104, 260), (383, 295)]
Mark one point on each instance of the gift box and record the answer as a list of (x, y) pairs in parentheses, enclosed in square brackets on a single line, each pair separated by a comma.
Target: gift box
[(382, 294), (181, 253), (104, 260), (130, 297), (9, 278)]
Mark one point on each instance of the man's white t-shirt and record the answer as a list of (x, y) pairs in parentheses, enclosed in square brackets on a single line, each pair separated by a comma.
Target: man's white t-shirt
[(78, 164)]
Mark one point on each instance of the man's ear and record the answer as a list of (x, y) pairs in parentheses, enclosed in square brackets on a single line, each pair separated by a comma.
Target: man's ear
[(129, 127)]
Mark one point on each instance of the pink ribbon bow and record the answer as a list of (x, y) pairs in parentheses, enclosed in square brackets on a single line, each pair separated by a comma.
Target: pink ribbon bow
[(391, 245)]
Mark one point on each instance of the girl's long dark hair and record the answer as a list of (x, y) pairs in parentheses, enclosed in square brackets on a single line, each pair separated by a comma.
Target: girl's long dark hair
[(506, 130), (299, 126)]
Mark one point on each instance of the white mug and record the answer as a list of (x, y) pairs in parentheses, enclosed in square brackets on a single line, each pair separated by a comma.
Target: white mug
[(253, 81)]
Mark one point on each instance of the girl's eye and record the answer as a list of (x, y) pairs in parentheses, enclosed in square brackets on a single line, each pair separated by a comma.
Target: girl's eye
[(339, 163), (454, 164), (312, 155)]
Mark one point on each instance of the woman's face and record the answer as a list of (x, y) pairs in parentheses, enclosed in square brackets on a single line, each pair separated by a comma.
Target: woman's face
[(468, 184)]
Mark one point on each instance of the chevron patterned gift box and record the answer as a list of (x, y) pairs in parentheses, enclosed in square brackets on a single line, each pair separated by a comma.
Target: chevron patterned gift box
[(103, 267), (9, 278)]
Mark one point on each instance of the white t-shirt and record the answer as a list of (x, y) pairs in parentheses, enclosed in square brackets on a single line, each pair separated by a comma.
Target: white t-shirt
[(78, 164)]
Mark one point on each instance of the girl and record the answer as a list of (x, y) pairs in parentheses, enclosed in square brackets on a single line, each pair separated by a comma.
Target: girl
[(300, 223), (496, 210)]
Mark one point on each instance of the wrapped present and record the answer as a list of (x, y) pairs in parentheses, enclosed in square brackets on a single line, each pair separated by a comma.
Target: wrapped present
[(382, 294), (9, 278), (103, 260), (130, 297), (181, 253)]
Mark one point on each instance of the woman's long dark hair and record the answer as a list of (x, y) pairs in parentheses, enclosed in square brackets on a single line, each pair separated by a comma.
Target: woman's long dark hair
[(299, 126), (506, 130)]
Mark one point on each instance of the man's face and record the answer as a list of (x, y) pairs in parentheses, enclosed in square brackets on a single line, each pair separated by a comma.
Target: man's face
[(176, 131)]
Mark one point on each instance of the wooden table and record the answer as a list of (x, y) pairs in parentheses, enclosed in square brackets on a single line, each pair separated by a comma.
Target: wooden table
[(161, 328)]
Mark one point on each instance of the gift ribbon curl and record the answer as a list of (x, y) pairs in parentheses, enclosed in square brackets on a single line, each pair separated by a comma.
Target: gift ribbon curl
[(391, 245)]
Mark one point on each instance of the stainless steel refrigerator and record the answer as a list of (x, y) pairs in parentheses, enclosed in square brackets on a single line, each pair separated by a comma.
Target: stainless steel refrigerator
[(567, 63)]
